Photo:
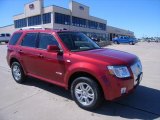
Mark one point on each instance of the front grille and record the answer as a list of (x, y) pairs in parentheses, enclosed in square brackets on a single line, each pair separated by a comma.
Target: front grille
[(136, 69)]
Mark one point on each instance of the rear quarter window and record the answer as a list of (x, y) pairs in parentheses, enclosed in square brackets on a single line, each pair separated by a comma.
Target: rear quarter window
[(15, 38)]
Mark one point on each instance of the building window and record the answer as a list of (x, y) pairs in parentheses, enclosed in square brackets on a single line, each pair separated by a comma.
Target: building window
[(46, 18), (102, 26), (20, 23), (62, 19), (79, 22), (92, 24), (35, 20), (81, 7)]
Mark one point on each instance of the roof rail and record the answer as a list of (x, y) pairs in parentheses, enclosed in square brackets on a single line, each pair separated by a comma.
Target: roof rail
[(32, 28), (35, 27), (61, 29)]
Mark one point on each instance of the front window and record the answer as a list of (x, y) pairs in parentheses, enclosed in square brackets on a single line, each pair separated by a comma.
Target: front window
[(8, 35), (76, 41), (45, 40)]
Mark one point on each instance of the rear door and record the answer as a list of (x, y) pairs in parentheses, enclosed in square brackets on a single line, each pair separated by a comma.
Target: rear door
[(28, 52), (125, 40), (49, 66), (121, 40)]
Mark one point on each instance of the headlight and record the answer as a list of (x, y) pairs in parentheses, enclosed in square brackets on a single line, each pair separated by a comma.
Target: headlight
[(119, 71)]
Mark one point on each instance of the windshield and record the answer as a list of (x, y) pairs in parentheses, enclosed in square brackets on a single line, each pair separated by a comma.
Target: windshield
[(76, 41)]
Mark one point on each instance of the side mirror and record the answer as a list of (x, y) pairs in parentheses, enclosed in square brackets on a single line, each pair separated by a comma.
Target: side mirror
[(53, 48)]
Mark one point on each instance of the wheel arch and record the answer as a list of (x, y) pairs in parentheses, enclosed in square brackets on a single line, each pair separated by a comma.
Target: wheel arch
[(13, 59), (83, 74)]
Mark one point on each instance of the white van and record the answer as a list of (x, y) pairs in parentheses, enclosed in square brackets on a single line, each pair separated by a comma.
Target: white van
[(4, 37)]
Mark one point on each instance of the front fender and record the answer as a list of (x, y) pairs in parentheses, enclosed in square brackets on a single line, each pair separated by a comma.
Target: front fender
[(95, 70)]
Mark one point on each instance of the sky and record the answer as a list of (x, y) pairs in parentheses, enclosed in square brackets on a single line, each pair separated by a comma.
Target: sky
[(140, 16)]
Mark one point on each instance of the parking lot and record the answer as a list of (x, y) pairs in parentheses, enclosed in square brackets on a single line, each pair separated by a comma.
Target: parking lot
[(37, 100)]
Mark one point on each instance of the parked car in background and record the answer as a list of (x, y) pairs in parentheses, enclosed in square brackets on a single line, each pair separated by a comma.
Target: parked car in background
[(152, 40), (73, 61), (4, 37), (124, 39), (95, 38)]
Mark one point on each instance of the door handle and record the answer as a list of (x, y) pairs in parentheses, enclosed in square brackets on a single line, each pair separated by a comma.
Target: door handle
[(40, 55), (20, 51)]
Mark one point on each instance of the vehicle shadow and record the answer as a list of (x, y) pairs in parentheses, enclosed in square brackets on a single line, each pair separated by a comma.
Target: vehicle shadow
[(48, 87), (142, 104)]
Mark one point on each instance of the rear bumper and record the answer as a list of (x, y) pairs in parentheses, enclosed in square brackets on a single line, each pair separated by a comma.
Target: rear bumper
[(4, 40)]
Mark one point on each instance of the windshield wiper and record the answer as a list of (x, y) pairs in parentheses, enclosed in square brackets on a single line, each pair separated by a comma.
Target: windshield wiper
[(85, 49)]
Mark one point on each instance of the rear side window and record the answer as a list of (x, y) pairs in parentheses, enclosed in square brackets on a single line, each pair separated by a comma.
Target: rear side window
[(29, 40), (15, 38), (8, 35), (2, 35), (45, 40)]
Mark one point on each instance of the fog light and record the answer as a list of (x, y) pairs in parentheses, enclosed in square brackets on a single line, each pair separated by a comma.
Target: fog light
[(123, 90)]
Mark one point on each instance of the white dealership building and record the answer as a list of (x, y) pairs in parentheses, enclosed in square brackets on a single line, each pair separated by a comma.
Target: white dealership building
[(77, 18)]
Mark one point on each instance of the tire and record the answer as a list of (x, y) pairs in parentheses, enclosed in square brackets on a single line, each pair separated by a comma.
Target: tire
[(131, 43), (17, 72), (116, 42), (86, 93)]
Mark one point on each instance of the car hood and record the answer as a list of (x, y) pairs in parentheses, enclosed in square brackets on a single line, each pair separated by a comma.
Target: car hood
[(110, 56)]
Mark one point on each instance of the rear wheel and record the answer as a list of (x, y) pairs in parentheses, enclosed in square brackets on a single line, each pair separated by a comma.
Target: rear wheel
[(86, 93), (131, 43), (116, 42), (17, 72)]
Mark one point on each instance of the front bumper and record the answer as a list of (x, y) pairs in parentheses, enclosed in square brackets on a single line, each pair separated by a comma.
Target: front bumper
[(121, 87), (138, 80), (117, 87)]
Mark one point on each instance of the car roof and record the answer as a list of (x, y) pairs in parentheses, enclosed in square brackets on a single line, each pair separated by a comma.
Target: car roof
[(45, 30)]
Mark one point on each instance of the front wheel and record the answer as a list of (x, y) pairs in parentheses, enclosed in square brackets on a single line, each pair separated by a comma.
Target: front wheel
[(116, 42), (131, 43), (86, 93), (17, 72)]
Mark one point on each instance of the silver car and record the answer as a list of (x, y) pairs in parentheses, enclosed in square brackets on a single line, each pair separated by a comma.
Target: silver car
[(4, 37)]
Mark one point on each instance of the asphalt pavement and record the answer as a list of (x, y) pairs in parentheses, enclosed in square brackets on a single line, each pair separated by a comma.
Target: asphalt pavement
[(38, 100)]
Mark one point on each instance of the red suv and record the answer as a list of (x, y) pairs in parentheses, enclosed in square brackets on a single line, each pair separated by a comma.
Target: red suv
[(72, 60)]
